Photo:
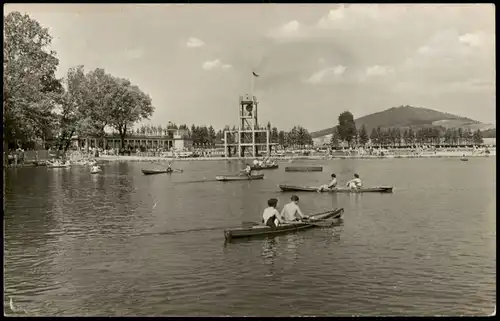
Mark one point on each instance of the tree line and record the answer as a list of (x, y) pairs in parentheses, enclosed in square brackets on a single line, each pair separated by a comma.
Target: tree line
[(39, 107), (207, 136), (347, 131)]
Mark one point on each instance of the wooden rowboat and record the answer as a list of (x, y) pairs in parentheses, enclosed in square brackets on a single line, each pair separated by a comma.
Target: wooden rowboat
[(58, 166), (262, 230), (377, 189), (225, 178), (303, 169), (159, 171), (258, 168), (464, 159)]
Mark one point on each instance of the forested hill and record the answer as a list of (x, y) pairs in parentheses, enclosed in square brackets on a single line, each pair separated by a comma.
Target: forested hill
[(411, 117)]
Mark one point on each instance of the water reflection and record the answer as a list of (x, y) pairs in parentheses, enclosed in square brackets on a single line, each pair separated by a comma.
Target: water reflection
[(269, 253), (355, 199)]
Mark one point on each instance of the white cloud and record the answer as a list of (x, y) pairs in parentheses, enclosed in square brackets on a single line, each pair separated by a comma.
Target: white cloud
[(136, 53), (321, 75), (215, 64), (353, 15), (290, 30), (473, 39), (291, 27), (194, 43), (378, 70)]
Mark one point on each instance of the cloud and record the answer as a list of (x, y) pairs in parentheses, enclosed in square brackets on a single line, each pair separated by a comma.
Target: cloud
[(194, 43), (378, 70), (133, 54), (290, 30), (356, 15), (473, 39), (215, 64), (324, 74)]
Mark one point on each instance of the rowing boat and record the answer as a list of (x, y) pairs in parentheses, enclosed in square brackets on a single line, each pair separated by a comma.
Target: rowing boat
[(259, 168), (377, 189), (263, 230), (225, 178), (59, 166), (464, 159), (156, 171), (303, 169)]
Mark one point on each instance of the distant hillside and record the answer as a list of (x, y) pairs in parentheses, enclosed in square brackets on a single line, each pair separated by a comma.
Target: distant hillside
[(411, 117)]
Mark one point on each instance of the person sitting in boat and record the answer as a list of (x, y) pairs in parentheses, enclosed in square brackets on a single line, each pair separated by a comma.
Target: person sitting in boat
[(261, 163), (255, 162), (291, 211), (355, 183), (332, 184), (247, 171), (95, 168), (169, 168), (271, 217)]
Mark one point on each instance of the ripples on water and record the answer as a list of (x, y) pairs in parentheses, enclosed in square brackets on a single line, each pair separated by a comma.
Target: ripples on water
[(121, 243)]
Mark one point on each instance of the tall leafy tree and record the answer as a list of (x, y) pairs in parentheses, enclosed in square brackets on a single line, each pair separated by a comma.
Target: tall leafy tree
[(347, 127), (30, 86), (128, 106)]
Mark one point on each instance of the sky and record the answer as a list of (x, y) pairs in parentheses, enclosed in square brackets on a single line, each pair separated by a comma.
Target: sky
[(314, 60)]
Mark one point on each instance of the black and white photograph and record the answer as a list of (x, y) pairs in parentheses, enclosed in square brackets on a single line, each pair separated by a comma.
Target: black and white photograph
[(249, 160)]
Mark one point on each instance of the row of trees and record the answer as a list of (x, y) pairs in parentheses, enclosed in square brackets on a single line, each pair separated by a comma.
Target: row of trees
[(204, 136), (347, 131), (39, 106)]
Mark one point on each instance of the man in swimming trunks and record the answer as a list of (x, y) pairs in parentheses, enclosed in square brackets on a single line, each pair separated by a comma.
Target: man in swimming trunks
[(355, 183), (332, 184), (291, 211)]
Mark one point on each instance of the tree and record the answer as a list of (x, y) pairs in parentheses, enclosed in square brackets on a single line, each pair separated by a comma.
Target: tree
[(374, 137), (363, 135), (477, 137), (347, 127), (74, 98), (335, 139), (211, 135), (274, 135), (282, 138), (30, 86)]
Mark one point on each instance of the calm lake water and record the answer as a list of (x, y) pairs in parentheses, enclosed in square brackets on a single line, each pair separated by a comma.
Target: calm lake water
[(121, 243)]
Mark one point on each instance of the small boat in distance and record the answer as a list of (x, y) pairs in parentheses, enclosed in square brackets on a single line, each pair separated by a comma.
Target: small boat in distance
[(463, 159), (160, 171), (263, 230), (226, 178), (377, 189), (59, 164), (304, 169)]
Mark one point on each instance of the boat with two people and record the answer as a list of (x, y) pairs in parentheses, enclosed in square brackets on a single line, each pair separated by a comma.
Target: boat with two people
[(271, 216), (353, 186)]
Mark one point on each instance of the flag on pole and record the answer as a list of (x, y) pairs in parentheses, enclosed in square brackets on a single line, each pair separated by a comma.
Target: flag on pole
[(255, 74)]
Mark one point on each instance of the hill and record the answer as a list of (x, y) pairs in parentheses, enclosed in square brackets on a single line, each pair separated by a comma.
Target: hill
[(411, 117)]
